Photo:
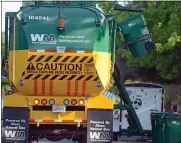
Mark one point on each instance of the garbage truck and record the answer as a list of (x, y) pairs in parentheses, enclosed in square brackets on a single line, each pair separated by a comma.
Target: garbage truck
[(59, 57)]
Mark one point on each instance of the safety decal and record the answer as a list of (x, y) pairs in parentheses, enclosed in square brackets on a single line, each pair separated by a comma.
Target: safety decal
[(43, 67), (62, 59), (60, 77)]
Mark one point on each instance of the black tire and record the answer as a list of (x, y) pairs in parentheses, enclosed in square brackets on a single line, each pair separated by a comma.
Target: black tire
[(30, 139), (115, 136), (52, 139), (82, 139)]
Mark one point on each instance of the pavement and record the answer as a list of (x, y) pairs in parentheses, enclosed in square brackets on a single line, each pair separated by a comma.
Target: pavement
[(66, 141), (73, 142)]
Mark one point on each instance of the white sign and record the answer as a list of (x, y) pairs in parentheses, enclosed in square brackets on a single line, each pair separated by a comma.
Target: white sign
[(38, 17), (131, 24), (60, 48), (100, 136), (56, 108), (73, 39), (116, 120), (14, 135), (43, 38)]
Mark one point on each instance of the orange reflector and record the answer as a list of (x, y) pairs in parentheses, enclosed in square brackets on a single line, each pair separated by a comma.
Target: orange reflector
[(60, 23), (74, 102), (36, 101), (43, 101), (81, 102)]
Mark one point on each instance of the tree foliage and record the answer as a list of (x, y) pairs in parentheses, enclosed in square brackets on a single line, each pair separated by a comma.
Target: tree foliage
[(163, 20)]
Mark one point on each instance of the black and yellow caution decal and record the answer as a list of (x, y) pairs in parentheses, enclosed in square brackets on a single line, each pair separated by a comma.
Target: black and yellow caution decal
[(51, 58), (60, 77), (49, 67)]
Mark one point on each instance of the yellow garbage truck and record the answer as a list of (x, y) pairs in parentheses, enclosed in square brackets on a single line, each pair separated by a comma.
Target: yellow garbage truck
[(60, 56)]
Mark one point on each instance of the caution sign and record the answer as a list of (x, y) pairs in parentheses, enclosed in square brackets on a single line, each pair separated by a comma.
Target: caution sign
[(60, 68), (15, 125), (31, 67), (54, 68), (100, 126)]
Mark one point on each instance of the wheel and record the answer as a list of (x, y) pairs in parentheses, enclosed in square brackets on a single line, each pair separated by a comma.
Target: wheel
[(82, 139), (30, 140), (115, 136), (54, 139)]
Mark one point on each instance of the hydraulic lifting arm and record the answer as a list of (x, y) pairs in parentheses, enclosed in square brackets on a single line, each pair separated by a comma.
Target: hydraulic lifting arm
[(139, 45), (133, 121)]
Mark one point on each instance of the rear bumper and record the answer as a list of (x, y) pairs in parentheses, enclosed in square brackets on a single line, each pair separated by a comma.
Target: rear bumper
[(75, 115), (44, 115), (49, 117), (56, 121)]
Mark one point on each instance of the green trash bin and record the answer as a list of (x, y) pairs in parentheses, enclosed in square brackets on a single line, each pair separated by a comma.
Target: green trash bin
[(136, 35), (172, 129), (166, 128), (157, 126)]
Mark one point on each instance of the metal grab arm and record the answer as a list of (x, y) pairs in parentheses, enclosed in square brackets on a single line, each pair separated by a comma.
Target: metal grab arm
[(122, 8), (133, 121)]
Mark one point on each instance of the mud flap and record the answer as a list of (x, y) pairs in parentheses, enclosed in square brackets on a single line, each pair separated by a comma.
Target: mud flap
[(15, 125), (99, 126)]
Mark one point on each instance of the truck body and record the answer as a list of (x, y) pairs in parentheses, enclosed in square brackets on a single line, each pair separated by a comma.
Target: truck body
[(60, 57), (59, 65)]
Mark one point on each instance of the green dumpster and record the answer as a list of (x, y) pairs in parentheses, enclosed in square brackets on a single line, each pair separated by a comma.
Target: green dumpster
[(166, 128), (136, 35)]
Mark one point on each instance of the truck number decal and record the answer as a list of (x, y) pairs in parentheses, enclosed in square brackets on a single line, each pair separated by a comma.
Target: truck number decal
[(38, 17)]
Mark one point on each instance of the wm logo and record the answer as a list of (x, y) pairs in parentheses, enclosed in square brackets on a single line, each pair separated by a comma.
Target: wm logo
[(43, 38), (14, 134), (100, 135)]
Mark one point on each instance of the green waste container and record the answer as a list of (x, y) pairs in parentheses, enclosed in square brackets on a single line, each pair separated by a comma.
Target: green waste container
[(166, 128), (136, 35)]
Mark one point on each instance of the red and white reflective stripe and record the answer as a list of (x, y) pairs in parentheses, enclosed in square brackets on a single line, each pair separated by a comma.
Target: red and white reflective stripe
[(77, 121), (60, 51), (57, 121), (40, 50), (38, 120), (80, 51)]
